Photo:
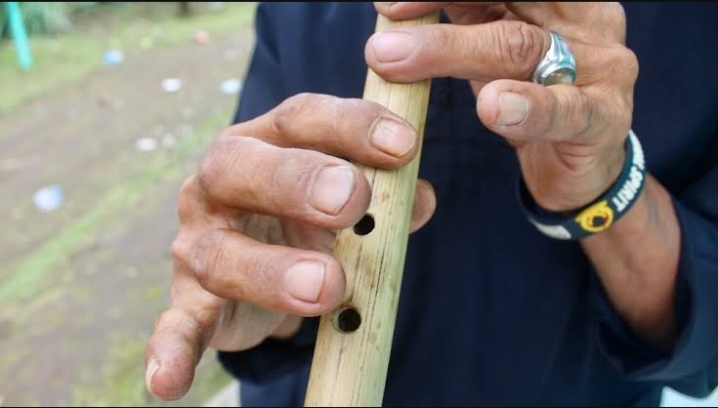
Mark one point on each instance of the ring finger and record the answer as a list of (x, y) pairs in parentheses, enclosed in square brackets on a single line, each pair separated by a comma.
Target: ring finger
[(282, 279)]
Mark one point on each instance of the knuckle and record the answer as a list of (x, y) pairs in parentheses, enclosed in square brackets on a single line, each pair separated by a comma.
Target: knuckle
[(211, 167), (621, 112), (622, 70), (520, 46), (439, 35), (614, 13), (185, 198), (287, 112), (223, 157), (205, 255), (627, 63), (181, 247), (584, 113), (173, 318), (181, 323), (166, 318)]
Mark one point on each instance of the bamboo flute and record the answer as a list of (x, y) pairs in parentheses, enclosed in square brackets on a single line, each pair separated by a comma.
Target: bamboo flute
[(353, 346)]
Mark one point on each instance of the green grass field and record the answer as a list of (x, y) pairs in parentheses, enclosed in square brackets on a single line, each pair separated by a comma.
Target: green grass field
[(62, 62), (130, 27)]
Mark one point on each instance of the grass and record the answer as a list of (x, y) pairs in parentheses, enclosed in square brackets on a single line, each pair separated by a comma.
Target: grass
[(84, 57), (123, 380), (31, 286), (65, 59), (27, 276), (34, 282)]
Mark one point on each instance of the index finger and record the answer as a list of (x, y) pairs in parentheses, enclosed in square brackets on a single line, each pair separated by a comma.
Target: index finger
[(587, 21)]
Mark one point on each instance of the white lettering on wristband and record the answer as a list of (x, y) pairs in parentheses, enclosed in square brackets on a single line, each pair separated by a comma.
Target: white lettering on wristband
[(628, 192), (602, 213)]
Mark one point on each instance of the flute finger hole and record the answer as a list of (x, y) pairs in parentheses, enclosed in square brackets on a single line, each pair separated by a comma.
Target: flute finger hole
[(365, 225), (347, 320)]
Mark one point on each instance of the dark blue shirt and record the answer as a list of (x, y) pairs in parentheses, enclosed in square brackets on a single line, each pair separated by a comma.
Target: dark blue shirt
[(492, 312)]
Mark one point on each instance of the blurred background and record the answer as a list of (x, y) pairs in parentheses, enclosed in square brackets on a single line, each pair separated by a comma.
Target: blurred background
[(103, 112), (97, 132)]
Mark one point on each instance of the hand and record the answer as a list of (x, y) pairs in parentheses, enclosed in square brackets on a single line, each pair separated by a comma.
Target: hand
[(257, 226), (569, 138)]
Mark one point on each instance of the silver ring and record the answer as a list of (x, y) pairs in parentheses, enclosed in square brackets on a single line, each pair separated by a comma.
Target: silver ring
[(558, 66)]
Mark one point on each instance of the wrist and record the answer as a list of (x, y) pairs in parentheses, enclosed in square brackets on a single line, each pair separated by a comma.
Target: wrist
[(582, 187), (601, 213), (637, 261), (635, 222)]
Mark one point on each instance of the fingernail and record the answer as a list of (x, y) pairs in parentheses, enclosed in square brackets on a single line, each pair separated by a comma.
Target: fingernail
[(392, 46), (513, 108), (304, 280), (152, 368), (392, 137), (331, 189)]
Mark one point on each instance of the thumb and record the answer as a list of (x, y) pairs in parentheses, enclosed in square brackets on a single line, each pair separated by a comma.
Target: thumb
[(424, 205)]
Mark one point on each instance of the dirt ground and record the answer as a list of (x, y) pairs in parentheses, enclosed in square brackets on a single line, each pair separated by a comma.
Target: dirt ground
[(80, 287)]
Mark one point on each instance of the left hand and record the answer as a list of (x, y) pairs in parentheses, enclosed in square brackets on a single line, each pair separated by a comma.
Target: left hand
[(569, 138)]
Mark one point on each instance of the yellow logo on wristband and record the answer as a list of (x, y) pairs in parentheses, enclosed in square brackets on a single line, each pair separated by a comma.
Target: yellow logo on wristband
[(596, 218)]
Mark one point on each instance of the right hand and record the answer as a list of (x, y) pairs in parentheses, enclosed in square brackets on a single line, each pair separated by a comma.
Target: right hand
[(257, 227)]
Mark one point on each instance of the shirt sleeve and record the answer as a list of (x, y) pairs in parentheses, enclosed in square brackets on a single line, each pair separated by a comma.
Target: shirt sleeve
[(263, 89), (692, 366)]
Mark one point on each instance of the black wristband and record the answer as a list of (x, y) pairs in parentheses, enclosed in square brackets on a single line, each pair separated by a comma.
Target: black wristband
[(600, 214)]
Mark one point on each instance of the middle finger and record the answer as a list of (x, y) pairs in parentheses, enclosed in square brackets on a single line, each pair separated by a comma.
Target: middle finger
[(305, 185)]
